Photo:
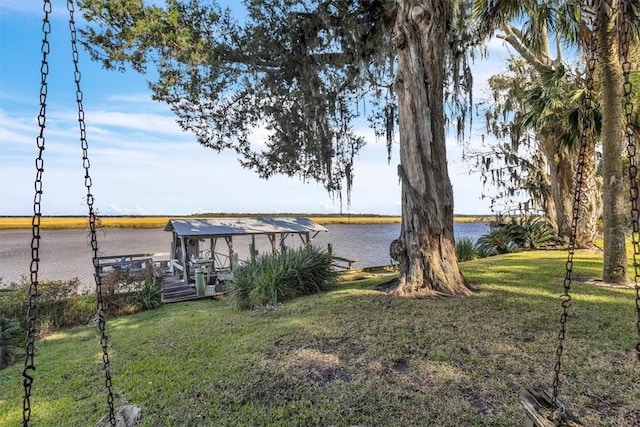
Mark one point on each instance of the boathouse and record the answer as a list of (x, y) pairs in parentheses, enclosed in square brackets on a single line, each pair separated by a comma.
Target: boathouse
[(206, 245)]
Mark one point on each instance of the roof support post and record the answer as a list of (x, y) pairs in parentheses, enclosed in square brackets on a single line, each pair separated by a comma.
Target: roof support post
[(283, 246), (272, 240), (185, 261), (252, 248), (305, 238), (232, 254)]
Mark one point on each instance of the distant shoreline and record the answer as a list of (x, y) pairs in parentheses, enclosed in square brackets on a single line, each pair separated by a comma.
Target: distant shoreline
[(79, 222)]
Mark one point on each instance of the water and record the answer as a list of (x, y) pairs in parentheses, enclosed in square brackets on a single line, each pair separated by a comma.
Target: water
[(66, 254)]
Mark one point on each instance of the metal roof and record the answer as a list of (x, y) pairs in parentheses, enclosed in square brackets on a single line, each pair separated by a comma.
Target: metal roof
[(236, 226)]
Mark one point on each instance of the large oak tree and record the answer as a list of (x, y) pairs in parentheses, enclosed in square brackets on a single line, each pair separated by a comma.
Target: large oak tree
[(304, 70)]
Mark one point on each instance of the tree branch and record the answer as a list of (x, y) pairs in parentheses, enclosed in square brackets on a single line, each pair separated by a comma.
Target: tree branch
[(514, 38)]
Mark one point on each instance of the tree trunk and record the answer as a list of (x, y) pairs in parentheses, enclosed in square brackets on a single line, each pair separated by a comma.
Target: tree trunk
[(590, 205), (562, 167), (615, 257), (547, 189), (425, 249), (561, 177), (563, 191)]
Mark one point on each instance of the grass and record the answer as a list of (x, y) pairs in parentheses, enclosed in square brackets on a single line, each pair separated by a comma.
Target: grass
[(354, 356), (14, 223)]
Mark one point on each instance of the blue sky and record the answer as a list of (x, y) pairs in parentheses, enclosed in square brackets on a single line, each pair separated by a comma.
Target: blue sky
[(141, 162)]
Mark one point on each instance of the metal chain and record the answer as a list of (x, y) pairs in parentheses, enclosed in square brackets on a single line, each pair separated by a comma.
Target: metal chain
[(29, 363), (585, 139), (623, 37), (104, 340)]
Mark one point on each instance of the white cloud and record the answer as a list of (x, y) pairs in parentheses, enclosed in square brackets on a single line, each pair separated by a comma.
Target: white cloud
[(146, 122), (142, 98), (143, 163)]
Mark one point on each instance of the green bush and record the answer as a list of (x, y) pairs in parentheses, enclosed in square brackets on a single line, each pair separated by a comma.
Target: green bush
[(126, 293), (10, 338), (498, 240), (118, 292), (528, 233), (465, 250), (273, 278), (149, 296), (10, 305), (62, 305), (536, 233)]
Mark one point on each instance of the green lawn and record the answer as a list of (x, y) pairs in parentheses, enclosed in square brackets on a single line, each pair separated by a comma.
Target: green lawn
[(354, 356)]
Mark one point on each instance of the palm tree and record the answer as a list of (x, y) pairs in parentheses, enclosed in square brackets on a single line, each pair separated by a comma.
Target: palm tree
[(610, 71), (553, 110), (539, 106), (558, 16)]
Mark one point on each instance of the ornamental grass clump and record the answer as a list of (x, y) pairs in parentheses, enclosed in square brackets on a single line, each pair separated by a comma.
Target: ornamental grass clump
[(278, 277), (525, 234), (465, 249)]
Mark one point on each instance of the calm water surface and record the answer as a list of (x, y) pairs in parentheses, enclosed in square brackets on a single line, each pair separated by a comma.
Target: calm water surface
[(65, 254)]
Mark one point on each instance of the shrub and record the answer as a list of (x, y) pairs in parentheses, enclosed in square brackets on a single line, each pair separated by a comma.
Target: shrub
[(11, 305), (273, 278), (124, 292), (55, 298), (536, 233), (528, 233), (149, 296), (497, 241), (61, 304), (465, 250), (10, 337)]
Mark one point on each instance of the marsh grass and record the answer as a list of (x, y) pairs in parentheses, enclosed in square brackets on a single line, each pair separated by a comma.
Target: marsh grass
[(354, 356), (12, 223)]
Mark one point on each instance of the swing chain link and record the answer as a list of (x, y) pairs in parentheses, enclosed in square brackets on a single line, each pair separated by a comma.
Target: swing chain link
[(624, 26), (29, 364), (585, 139), (104, 340)]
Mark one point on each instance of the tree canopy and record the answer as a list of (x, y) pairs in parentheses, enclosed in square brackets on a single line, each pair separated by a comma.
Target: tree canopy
[(298, 69), (303, 70)]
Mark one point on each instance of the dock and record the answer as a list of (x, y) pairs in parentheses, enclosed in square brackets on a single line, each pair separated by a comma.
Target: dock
[(202, 256)]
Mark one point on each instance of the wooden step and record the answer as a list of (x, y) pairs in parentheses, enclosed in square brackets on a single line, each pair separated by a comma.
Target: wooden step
[(178, 298), (174, 290)]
